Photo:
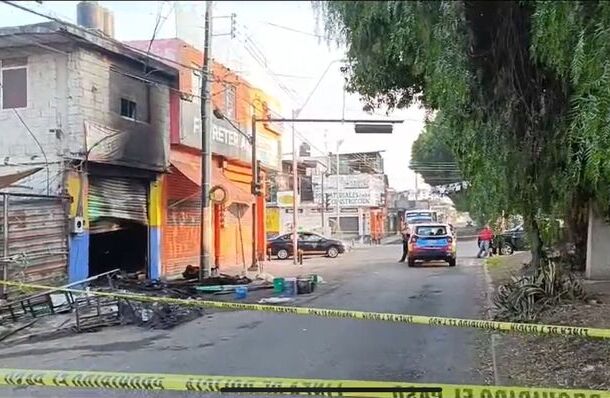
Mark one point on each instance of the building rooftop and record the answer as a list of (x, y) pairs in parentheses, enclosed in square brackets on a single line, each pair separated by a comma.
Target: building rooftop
[(54, 36)]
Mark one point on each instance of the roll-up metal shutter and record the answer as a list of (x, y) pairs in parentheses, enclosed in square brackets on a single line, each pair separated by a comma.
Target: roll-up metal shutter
[(118, 198), (349, 225), (37, 239)]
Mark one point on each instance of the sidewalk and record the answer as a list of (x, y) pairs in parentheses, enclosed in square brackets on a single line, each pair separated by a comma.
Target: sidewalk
[(567, 361)]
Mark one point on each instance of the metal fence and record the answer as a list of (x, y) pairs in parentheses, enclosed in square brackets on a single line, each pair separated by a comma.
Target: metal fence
[(34, 236)]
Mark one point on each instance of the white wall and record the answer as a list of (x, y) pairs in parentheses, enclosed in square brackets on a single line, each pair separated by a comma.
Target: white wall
[(598, 249), (46, 112)]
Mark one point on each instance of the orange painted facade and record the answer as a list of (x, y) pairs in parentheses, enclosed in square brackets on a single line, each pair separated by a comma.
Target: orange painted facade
[(232, 239), (377, 223)]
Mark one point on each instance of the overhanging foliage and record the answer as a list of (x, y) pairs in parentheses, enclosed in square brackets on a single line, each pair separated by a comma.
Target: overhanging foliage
[(521, 89)]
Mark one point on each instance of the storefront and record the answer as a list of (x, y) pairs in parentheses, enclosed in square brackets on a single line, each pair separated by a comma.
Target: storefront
[(118, 224), (232, 218), (116, 194)]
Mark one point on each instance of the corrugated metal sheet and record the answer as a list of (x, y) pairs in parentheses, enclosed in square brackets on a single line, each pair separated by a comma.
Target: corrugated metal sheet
[(37, 239), (2, 242), (116, 197)]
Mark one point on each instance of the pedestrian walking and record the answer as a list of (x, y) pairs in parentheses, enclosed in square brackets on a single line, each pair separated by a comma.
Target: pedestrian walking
[(486, 236), (405, 232)]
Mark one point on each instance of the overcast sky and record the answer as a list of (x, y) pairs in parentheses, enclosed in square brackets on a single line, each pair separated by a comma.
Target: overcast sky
[(278, 49)]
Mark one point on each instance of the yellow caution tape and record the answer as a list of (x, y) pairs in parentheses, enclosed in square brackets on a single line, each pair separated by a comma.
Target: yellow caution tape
[(346, 314), (270, 385)]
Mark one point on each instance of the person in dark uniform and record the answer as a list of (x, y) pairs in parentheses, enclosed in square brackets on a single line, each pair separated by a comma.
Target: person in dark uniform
[(405, 232)]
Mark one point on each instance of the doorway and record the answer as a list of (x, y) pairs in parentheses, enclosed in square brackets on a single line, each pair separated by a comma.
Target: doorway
[(125, 246)]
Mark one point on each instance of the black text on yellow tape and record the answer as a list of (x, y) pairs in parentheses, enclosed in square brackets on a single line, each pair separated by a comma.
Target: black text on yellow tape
[(214, 384), (346, 314)]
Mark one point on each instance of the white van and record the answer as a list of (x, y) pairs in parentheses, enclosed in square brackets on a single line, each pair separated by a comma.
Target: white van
[(420, 216)]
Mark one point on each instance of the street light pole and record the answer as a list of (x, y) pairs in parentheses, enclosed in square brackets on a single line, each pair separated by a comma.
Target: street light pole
[(322, 202), (295, 217), (293, 120), (205, 234), (255, 187), (338, 190), (254, 191)]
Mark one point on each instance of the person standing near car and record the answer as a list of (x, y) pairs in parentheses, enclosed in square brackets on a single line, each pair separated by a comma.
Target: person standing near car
[(486, 236), (405, 232)]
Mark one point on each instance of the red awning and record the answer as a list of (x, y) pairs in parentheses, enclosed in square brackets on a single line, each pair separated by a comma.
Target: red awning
[(191, 171)]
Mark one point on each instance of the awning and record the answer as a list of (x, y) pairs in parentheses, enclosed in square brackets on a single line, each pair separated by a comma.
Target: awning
[(14, 174), (191, 171)]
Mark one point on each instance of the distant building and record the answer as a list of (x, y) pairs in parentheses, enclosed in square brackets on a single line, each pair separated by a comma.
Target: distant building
[(361, 195)]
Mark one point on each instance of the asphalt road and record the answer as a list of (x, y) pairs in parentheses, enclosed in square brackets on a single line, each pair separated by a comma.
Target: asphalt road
[(277, 345)]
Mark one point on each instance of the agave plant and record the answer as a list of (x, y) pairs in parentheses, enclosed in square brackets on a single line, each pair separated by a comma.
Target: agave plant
[(526, 296)]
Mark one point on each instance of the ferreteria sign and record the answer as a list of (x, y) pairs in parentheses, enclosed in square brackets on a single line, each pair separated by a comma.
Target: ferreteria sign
[(226, 141), (357, 190)]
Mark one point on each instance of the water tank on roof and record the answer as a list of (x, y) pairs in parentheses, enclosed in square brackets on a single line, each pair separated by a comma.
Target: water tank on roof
[(108, 22), (90, 15)]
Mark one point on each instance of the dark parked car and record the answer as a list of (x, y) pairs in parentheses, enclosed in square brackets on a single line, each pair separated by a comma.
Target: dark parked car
[(514, 239), (309, 242)]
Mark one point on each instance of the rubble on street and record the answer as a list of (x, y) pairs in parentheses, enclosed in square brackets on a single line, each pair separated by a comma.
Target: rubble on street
[(56, 313)]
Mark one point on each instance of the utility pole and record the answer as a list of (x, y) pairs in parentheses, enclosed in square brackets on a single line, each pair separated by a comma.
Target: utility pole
[(338, 205), (205, 241), (295, 219), (322, 202)]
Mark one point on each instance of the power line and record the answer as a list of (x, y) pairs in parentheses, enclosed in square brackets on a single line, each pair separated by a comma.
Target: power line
[(100, 35), (44, 154), (294, 30), (250, 51), (116, 69), (154, 34)]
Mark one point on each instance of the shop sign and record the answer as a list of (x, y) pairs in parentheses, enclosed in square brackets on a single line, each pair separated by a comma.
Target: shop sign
[(226, 141), (284, 198), (272, 220), (359, 190)]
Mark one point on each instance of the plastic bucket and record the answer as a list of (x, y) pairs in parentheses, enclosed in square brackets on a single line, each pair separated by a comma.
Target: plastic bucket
[(304, 286), (241, 292), (290, 286), (278, 285)]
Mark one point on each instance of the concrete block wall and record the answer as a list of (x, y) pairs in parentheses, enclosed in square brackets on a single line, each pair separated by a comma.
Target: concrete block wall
[(45, 116), (88, 90), (91, 99)]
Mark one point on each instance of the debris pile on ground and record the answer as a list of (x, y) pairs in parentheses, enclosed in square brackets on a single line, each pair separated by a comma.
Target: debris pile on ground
[(156, 315), (528, 295), (181, 288), (86, 312)]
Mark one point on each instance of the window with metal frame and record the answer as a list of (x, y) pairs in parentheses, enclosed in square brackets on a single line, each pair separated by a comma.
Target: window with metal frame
[(14, 79)]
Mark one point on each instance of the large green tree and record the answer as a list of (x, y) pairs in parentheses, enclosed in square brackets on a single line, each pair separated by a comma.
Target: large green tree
[(433, 159), (521, 89)]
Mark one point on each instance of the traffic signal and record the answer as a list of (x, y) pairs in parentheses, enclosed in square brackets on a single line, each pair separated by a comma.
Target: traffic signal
[(257, 188), (374, 128), (327, 201)]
